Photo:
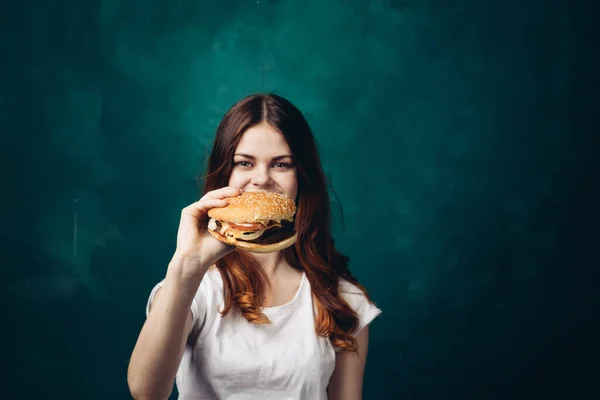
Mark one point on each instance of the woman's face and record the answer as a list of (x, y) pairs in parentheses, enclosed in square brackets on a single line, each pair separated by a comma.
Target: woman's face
[(263, 161)]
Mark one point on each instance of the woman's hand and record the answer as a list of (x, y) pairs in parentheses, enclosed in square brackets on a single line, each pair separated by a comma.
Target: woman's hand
[(196, 249)]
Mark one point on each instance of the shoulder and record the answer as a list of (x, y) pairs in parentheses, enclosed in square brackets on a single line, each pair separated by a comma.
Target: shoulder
[(351, 293), (365, 309), (345, 286), (208, 296)]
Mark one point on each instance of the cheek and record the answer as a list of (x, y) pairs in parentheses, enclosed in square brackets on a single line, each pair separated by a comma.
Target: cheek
[(236, 179), (291, 185)]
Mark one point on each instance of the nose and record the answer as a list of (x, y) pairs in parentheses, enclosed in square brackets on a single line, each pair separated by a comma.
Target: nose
[(262, 177)]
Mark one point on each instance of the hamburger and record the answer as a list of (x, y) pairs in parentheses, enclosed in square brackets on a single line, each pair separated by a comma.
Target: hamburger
[(259, 222)]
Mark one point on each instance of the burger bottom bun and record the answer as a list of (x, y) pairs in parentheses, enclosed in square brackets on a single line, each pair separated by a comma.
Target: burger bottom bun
[(257, 247)]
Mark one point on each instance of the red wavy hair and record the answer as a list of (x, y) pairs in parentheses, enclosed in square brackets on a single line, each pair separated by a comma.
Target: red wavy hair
[(314, 251)]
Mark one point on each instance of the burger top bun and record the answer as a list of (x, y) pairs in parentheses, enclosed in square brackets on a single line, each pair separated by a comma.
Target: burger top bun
[(252, 207)]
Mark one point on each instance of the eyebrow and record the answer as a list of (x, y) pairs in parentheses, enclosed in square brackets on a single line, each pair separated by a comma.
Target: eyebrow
[(250, 157)]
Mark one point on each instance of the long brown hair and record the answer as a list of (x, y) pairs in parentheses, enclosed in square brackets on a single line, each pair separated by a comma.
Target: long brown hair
[(314, 251)]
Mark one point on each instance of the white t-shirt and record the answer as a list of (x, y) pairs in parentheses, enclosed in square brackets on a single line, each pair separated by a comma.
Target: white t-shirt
[(229, 358)]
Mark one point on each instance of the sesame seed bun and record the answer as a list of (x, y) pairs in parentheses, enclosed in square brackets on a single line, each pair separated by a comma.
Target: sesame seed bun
[(252, 207)]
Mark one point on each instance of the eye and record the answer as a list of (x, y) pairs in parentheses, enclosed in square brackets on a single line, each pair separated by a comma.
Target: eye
[(242, 164), (283, 165)]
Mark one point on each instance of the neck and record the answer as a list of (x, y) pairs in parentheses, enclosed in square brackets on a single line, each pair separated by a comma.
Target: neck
[(271, 263)]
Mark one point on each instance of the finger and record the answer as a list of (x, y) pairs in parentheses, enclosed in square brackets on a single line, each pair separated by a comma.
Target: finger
[(201, 207), (221, 193)]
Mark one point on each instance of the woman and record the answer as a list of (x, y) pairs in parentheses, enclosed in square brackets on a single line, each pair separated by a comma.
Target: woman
[(227, 324)]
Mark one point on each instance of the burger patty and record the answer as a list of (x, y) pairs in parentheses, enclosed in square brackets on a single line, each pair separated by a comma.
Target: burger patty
[(275, 235)]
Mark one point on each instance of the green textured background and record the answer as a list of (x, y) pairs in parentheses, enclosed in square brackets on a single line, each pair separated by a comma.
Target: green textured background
[(459, 136)]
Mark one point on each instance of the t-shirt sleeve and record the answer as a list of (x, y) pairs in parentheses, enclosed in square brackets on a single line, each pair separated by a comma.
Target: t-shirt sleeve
[(357, 300), (198, 307)]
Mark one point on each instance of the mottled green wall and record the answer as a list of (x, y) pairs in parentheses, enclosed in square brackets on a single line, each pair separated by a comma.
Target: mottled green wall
[(453, 133)]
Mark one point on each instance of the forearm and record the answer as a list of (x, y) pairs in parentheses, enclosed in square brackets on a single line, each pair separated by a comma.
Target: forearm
[(160, 345)]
